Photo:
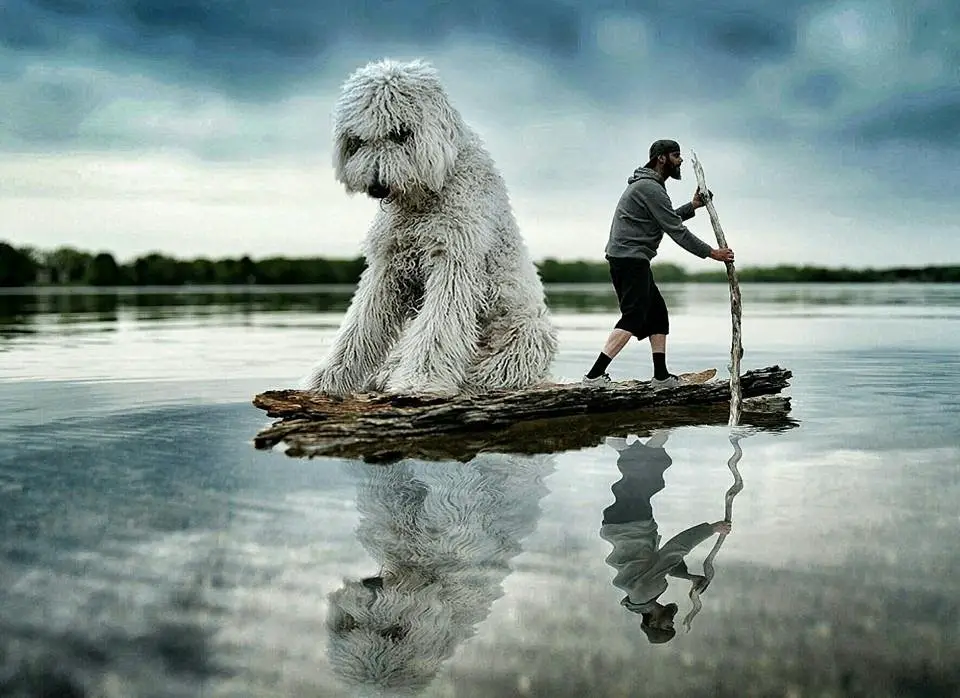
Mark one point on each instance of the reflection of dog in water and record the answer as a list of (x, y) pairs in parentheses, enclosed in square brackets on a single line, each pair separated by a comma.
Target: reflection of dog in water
[(643, 565), (444, 535)]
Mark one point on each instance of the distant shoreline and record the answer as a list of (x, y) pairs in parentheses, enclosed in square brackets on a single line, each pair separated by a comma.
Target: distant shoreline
[(348, 289), (71, 268)]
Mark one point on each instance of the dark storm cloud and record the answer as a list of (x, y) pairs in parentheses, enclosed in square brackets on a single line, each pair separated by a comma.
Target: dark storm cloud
[(819, 89), (265, 44), (249, 45), (749, 36), (50, 111), (697, 55), (741, 30), (925, 119)]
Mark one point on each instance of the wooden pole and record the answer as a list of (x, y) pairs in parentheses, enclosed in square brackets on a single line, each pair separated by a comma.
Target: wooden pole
[(736, 345)]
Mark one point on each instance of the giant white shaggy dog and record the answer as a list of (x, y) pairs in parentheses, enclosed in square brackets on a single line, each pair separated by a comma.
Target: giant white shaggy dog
[(450, 300)]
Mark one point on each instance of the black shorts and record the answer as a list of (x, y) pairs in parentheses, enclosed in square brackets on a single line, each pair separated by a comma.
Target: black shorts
[(642, 309)]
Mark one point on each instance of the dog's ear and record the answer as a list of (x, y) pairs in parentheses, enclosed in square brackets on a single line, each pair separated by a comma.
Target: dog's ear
[(437, 142), (341, 153)]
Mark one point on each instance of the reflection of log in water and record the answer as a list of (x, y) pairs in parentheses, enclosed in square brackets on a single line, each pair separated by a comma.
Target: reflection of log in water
[(708, 569)]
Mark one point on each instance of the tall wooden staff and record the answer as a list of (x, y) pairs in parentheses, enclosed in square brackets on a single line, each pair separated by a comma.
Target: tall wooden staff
[(736, 346)]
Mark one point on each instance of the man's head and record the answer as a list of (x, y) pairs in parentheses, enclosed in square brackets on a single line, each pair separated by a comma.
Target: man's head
[(665, 158), (657, 625), (657, 619)]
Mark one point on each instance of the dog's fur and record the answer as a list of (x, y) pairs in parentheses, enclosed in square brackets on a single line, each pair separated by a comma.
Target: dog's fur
[(450, 300), (443, 535)]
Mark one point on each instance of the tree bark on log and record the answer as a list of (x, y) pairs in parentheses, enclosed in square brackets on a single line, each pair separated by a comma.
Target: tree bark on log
[(736, 343), (549, 418)]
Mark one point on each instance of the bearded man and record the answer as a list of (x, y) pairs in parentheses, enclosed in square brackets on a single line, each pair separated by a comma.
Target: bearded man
[(644, 213)]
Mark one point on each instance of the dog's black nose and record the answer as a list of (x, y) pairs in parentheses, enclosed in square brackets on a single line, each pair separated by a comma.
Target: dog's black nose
[(372, 582), (378, 190)]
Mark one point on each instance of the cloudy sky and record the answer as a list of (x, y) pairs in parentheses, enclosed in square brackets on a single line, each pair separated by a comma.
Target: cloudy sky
[(829, 131)]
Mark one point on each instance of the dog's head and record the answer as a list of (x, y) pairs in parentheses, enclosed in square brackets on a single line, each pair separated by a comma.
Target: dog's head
[(385, 636), (396, 133)]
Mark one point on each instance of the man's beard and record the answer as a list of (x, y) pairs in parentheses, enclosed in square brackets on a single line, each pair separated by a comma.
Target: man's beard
[(674, 172)]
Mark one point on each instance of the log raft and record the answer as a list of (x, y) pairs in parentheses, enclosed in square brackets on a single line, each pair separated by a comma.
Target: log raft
[(384, 428)]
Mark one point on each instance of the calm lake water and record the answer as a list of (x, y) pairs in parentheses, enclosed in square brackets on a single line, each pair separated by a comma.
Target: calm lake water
[(149, 550)]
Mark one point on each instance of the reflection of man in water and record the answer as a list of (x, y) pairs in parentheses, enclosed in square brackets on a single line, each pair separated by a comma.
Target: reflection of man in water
[(629, 526)]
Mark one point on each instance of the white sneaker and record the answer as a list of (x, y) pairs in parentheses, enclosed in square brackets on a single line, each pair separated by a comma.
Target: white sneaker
[(671, 381), (602, 379)]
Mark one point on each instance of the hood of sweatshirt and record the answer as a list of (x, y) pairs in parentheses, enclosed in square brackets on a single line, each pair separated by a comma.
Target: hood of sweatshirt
[(644, 173)]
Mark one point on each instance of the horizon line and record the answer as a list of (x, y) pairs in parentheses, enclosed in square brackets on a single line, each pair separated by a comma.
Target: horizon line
[(542, 260)]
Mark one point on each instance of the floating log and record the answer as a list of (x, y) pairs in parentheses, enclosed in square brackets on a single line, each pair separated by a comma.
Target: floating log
[(383, 428)]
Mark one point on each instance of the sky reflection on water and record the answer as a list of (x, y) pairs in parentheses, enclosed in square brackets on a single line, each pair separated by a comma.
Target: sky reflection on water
[(149, 550)]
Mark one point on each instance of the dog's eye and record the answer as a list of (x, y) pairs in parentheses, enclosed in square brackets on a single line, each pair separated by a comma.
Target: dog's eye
[(353, 145), (400, 135), (394, 633), (372, 582), (343, 623)]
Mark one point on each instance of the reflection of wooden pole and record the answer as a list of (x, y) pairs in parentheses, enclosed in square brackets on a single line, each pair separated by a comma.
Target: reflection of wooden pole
[(736, 347), (708, 568)]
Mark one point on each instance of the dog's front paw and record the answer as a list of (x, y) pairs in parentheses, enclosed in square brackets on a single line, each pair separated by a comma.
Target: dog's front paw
[(421, 386), (378, 382), (330, 380)]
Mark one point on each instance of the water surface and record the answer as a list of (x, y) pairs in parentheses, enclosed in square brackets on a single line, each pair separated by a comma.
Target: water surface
[(148, 550)]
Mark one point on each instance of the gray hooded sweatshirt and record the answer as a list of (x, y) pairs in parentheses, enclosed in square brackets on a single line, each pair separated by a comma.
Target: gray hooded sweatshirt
[(644, 213), (642, 567)]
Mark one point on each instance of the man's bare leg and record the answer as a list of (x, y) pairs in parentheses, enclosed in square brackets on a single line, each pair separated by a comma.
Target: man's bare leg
[(615, 342)]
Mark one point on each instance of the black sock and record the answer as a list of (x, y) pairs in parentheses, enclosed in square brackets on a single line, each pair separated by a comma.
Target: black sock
[(660, 365), (600, 366)]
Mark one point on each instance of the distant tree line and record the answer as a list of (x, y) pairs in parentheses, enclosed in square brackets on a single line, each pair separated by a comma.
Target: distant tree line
[(68, 266), (555, 272), (810, 274)]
